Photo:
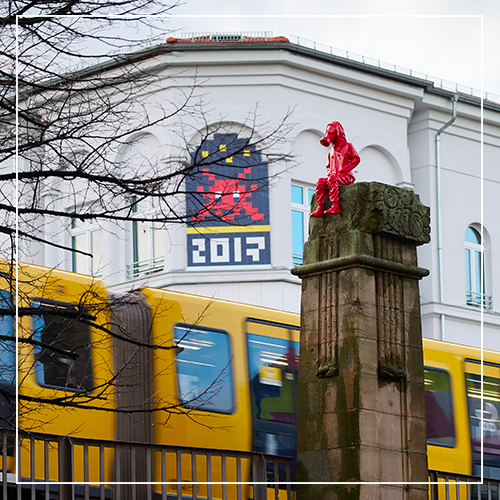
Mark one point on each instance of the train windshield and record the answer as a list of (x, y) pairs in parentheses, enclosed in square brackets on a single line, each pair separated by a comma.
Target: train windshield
[(490, 413)]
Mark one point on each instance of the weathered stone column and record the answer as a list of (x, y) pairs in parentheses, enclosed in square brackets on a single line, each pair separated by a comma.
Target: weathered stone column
[(361, 389)]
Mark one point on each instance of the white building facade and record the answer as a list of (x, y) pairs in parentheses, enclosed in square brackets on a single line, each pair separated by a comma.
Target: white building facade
[(391, 119)]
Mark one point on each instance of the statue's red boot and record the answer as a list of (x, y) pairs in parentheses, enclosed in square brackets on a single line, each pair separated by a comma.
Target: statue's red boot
[(335, 209), (318, 213)]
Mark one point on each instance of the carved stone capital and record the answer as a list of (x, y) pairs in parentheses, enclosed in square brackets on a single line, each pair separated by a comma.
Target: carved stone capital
[(403, 214), (376, 208)]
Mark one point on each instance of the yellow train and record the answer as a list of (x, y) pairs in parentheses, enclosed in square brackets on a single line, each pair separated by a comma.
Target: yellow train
[(198, 372)]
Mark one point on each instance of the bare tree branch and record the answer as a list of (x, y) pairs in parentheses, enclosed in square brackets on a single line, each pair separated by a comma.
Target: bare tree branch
[(73, 158)]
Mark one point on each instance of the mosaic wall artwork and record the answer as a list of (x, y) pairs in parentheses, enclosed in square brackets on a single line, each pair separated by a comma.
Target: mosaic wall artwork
[(228, 203)]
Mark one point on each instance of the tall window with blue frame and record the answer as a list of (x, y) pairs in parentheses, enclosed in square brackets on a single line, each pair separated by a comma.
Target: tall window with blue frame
[(301, 203), (474, 270)]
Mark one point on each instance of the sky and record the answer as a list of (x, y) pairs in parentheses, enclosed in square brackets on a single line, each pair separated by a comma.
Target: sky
[(457, 40)]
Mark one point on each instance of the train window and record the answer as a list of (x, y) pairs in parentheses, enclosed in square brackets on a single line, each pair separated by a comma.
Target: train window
[(439, 408), (7, 363), (204, 371), (273, 378), (7, 347), (489, 438), (63, 353)]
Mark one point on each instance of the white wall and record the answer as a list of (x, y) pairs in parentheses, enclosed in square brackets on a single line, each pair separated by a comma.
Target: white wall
[(393, 127)]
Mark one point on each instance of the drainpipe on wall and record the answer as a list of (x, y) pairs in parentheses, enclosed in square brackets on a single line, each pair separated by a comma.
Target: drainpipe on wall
[(438, 207)]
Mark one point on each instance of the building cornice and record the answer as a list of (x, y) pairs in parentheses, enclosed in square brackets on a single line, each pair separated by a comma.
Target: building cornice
[(177, 45), (426, 85), (461, 313)]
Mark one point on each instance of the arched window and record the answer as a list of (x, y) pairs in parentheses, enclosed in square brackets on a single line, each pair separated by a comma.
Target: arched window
[(474, 270)]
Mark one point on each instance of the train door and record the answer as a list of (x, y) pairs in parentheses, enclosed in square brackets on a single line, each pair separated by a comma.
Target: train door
[(131, 324), (273, 361)]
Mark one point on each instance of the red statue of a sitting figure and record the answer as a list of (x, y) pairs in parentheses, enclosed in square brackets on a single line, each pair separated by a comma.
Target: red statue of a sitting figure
[(342, 158)]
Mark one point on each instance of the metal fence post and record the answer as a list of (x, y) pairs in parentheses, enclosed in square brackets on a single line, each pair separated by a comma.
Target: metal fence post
[(4, 464), (65, 468), (433, 487), (259, 476)]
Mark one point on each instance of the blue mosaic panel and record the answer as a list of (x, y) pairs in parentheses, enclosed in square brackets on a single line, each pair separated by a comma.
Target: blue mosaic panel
[(229, 249)]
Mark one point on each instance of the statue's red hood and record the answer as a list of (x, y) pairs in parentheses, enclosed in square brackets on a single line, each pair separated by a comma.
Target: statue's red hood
[(334, 134)]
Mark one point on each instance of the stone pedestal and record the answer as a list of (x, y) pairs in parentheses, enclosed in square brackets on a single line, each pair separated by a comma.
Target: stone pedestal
[(361, 415)]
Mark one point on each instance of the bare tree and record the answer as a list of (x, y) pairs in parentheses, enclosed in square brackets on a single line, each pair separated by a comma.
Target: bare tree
[(72, 125), (74, 97)]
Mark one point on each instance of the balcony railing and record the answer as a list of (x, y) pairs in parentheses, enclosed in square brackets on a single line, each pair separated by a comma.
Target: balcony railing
[(144, 267), (438, 82), (478, 300), (231, 36), (297, 259)]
